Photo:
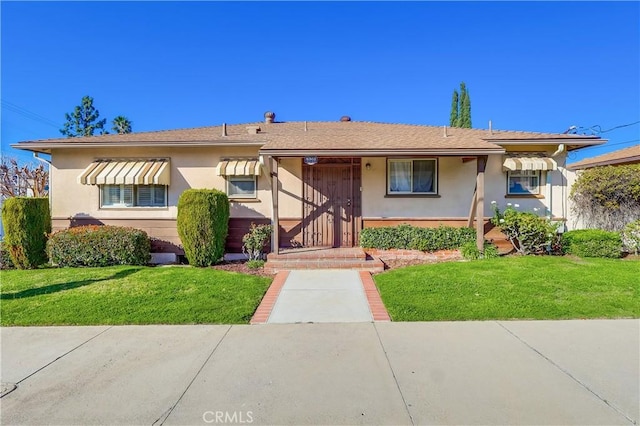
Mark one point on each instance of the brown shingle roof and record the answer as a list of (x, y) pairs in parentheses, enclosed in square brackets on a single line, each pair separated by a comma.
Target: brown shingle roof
[(321, 136), (622, 156)]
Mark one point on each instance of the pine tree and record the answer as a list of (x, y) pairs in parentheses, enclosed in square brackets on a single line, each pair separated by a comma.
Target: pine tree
[(453, 117), (464, 118), (84, 120)]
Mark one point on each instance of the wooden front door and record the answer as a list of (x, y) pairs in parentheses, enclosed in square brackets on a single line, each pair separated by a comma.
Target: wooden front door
[(331, 204)]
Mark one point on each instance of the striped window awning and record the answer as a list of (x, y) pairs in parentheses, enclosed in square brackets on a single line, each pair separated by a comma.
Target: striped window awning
[(126, 172), (529, 163), (246, 167)]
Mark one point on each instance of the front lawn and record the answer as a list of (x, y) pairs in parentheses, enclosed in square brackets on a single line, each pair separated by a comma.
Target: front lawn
[(128, 295), (515, 287)]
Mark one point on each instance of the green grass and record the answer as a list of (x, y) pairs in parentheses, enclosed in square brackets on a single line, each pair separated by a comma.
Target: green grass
[(128, 295), (516, 287)]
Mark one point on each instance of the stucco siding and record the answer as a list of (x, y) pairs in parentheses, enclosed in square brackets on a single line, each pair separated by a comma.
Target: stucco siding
[(190, 168)]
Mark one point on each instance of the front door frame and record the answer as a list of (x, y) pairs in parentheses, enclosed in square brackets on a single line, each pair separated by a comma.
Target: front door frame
[(332, 222)]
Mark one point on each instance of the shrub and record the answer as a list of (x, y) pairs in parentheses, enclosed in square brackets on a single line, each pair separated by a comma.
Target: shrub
[(592, 243), (607, 197), (631, 237), (27, 222), (415, 238), (255, 264), (470, 251), (5, 258), (527, 232), (203, 225), (254, 241), (94, 245)]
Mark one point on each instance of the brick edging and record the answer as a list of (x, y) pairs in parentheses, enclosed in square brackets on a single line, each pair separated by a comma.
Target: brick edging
[(377, 308), (269, 300)]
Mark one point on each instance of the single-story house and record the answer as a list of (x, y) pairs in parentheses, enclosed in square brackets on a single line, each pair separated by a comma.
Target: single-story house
[(620, 157), (319, 182)]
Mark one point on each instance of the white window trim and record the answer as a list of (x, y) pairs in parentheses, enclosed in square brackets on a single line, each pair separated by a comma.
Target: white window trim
[(411, 160), (134, 198), (245, 178), (518, 173)]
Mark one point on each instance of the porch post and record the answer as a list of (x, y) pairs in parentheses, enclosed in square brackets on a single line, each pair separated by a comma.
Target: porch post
[(275, 220), (474, 202), (481, 165)]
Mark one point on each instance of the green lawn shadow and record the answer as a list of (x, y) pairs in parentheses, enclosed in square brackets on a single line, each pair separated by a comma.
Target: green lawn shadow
[(55, 288)]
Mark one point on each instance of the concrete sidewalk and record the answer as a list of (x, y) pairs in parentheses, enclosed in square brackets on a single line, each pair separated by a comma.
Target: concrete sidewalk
[(514, 372)]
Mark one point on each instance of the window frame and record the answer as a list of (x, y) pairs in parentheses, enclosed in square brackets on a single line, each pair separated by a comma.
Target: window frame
[(242, 178), (412, 193), (134, 196), (522, 174)]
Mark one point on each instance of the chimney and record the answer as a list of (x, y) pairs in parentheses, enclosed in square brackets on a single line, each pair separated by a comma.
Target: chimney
[(345, 118), (269, 117)]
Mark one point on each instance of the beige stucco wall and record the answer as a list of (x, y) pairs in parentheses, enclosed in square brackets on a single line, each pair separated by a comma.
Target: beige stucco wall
[(290, 191), (190, 168), (456, 183), (196, 168)]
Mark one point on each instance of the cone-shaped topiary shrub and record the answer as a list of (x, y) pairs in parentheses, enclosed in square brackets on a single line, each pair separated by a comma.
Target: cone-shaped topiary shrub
[(203, 225), (27, 222)]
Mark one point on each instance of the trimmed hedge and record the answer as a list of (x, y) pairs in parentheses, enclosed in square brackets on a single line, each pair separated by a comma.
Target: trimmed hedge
[(410, 237), (27, 222), (95, 245), (592, 243), (203, 225)]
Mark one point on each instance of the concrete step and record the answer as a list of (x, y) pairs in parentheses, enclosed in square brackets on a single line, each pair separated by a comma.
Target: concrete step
[(369, 265), (319, 253)]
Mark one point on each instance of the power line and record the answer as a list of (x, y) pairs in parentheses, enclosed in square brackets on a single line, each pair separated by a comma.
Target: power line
[(619, 127), (29, 114), (610, 144), (596, 129)]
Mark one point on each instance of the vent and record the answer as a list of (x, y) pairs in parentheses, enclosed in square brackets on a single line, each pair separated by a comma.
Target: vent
[(253, 130), (269, 117), (345, 118)]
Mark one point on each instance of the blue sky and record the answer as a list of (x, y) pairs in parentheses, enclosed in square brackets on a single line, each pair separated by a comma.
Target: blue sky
[(538, 66)]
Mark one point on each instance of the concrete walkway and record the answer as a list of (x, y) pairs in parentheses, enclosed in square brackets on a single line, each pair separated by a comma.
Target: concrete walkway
[(321, 296), (513, 372)]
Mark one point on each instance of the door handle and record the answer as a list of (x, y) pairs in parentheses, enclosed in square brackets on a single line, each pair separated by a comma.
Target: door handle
[(348, 202)]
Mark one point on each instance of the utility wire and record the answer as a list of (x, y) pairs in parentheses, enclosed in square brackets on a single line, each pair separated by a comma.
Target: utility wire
[(609, 144), (618, 127), (597, 129), (29, 114)]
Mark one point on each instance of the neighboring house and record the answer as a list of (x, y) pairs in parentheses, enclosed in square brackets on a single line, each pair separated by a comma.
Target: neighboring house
[(620, 157), (320, 182)]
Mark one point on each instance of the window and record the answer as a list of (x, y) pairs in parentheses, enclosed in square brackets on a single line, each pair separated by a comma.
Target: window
[(523, 182), (133, 196), (241, 186), (412, 176)]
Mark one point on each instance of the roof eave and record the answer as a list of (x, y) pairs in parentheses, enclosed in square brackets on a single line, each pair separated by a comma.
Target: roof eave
[(46, 147), (571, 143), (275, 152)]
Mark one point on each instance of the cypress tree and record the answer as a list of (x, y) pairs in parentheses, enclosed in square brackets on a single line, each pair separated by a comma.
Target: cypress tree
[(453, 117), (464, 118)]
